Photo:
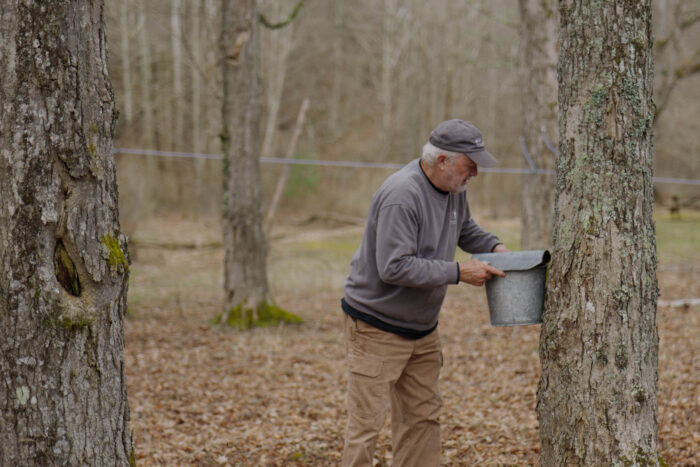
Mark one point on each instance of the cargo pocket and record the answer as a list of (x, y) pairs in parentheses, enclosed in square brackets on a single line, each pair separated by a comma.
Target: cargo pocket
[(365, 366), (368, 394)]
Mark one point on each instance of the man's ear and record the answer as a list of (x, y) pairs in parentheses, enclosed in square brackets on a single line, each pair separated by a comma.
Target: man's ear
[(441, 160)]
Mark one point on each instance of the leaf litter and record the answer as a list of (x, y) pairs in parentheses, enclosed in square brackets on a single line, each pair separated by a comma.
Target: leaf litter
[(204, 395)]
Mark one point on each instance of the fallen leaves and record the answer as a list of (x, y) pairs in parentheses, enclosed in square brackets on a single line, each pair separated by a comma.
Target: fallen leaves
[(205, 395)]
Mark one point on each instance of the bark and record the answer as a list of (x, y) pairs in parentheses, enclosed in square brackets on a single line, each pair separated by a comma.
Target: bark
[(597, 400), (63, 260), (245, 275), (538, 71)]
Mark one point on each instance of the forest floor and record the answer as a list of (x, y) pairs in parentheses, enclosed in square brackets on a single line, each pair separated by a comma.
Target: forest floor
[(208, 395)]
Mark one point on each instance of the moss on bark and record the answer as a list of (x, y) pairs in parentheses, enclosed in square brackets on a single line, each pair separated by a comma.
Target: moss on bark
[(265, 315)]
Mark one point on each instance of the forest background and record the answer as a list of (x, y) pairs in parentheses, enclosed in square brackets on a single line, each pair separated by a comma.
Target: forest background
[(379, 76)]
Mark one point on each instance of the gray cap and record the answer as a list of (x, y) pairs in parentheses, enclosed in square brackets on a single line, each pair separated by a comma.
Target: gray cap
[(460, 136)]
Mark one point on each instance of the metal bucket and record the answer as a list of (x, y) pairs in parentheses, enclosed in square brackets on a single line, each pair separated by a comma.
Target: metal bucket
[(518, 298)]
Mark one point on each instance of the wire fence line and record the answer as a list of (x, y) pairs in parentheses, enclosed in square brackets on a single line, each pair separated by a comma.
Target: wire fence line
[(680, 303), (359, 164)]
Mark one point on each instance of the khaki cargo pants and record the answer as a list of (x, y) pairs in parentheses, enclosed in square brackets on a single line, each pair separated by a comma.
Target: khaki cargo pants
[(385, 369)]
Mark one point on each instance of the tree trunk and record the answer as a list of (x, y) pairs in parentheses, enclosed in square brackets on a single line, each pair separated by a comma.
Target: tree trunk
[(335, 104), (178, 93), (197, 11), (393, 42), (677, 53), (245, 275), (126, 61), (148, 132), (284, 176), (63, 260), (596, 400), (538, 71), (279, 45)]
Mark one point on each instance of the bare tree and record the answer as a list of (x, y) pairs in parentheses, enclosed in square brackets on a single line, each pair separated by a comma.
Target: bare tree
[(335, 103), (538, 70), (178, 87), (278, 43), (245, 269), (148, 132), (396, 36), (126, 60), (64, 267), (247, 295), (596, 399)]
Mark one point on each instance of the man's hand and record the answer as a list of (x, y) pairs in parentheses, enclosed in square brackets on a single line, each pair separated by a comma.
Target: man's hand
[(500, 248), (477, 272)]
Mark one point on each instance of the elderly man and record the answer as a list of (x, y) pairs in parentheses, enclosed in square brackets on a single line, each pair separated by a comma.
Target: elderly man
[(397, 283)]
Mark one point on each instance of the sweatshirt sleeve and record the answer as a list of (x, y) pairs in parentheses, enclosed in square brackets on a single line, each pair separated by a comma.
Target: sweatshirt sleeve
[(474, 239), (397, 257)]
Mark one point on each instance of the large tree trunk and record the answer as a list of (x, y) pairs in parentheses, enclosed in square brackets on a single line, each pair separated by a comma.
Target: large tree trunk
[(63, 260), (538, 70), (245, 274), (599, 344)]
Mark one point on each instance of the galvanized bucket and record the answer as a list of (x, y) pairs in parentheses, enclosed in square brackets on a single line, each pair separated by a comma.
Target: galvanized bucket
[(518, 298)]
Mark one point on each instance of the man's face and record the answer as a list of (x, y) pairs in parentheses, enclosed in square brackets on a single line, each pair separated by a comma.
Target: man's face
[(458, 172)]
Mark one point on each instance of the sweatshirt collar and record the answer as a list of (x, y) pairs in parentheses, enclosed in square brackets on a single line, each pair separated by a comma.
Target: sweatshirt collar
[(442, 192)]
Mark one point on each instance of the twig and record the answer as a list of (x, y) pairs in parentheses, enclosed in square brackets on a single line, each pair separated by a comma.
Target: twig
[(142, 243)]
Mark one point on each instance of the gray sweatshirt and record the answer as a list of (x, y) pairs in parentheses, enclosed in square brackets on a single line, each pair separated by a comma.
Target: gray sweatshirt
[(401, 270)]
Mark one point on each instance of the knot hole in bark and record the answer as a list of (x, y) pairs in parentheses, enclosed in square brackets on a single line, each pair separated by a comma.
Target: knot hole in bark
[(66, 273)]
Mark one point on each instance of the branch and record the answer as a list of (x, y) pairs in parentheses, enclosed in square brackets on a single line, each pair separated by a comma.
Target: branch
[(689, 21), (688, 68), (269, 25), (679, 26)]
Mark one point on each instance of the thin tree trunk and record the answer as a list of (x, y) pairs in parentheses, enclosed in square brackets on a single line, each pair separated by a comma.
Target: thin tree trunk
[(596, 399), (245, 274), (285, 171), (146, 191), (126, 61), (197, 12), (387, 72), (178, 93), (148, 133), (280, 42), (538, 70), (338, 70), (64, 265)]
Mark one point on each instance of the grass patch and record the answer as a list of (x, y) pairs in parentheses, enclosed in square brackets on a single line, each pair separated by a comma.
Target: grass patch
[(678, 239), (340, 247)]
